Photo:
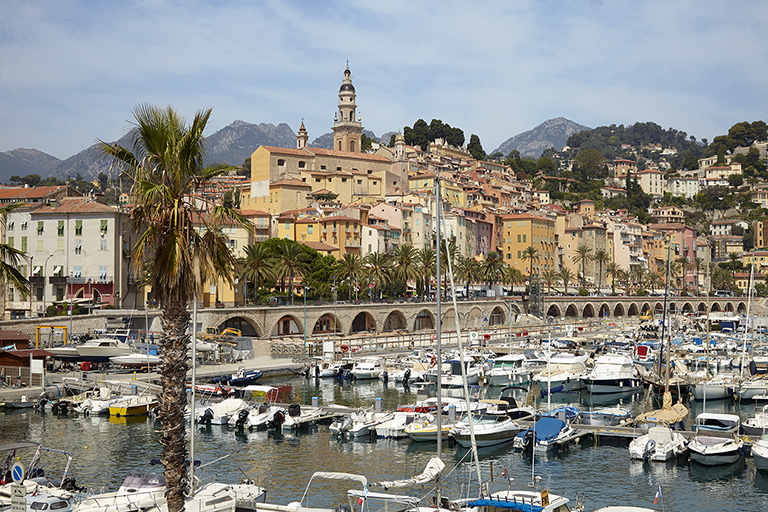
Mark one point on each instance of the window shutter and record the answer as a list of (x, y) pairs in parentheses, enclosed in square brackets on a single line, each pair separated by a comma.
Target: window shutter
[(104, 225), (40, 225), (61, 224), (78, 224)]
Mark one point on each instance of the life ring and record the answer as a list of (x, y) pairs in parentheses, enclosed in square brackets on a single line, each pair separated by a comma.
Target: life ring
[(344, 348)]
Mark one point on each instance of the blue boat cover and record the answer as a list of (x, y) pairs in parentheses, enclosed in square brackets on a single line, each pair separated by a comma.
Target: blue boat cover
[(509, 505), (548, 428)]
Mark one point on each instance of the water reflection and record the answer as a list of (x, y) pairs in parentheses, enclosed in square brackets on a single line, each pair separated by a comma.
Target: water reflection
[(725, 472)]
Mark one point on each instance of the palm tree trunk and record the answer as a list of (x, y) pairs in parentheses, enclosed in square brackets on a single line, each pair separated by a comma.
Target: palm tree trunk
[(173, 402)]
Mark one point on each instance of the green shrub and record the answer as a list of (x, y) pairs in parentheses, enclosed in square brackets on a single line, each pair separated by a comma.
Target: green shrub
[(583, 292)]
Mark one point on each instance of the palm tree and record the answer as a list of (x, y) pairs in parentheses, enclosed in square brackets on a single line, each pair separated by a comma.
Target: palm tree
[(292, 261), (637, 275), (258, 266), (168, 165), (733, 257), (684, 265), (426, 260), (550, 278), (468, 270), (655, 280), (11, 258), (404, 259), (445, 250), (613, 269), (349, 268), (531, 254), (602, 257), (377, 270), (513, 276), (493, 266), (698, 262), (566, 276), (583, 257)]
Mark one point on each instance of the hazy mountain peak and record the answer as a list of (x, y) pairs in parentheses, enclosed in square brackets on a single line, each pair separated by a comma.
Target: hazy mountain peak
[(550, 133)]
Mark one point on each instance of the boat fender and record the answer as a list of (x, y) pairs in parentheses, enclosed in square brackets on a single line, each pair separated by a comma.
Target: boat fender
[(730, 391), (407, 376), (317, 371), (385, 374), (568, 380), (621, 384)]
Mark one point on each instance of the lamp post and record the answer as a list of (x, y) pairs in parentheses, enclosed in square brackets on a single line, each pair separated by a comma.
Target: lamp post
[(31, 273), (305, 321), (45, 265)]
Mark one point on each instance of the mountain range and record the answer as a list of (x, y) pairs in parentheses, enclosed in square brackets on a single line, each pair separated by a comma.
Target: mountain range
[(234, 143)]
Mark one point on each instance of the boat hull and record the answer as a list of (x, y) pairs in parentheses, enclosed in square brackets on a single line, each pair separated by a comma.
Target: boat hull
[(760, 454), (605, 386), (489, 438)]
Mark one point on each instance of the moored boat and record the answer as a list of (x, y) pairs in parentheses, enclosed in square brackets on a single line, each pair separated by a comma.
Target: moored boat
[(660, 444), (716, 442)]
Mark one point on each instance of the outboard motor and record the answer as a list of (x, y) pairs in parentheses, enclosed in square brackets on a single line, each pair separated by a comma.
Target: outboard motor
[(317, 371), (407, 376), (206, 417), (277, 420), (385, 374), (41, 402), (528, 442), (650, 447), (241, 418), (342, 508), (294, 410), (70, 484)]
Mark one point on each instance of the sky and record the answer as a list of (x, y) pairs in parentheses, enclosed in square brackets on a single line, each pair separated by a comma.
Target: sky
[(72, 71)]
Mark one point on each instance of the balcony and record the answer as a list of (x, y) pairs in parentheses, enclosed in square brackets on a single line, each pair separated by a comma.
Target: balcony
[(57, 280), (37, 280), (353, 243)]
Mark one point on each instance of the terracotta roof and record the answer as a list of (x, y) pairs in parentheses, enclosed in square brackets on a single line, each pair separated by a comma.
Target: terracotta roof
[(286, 151), (306, 220), (290, 183), (348, 154), (75, 205), (23, 193), (340, 217), (320, 246), (254, 213)]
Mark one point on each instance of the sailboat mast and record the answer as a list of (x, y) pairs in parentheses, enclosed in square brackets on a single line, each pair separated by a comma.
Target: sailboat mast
[(664, 312), (194, 370), (438, 334), (749, 304)]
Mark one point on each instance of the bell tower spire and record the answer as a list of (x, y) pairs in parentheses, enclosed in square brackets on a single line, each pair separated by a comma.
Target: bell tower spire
[(347, 131)]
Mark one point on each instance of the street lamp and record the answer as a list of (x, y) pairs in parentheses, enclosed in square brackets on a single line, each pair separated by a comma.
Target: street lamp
[(31, 273), (45, 265)]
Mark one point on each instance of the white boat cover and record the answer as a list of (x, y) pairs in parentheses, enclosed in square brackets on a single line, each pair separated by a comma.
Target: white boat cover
[(434, 467)]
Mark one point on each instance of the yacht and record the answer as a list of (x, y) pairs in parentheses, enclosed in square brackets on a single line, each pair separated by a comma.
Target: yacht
[(508, 371), (758, 424), (489, 430), (613, 374), (451, 375), (100, 350), (565, 370), (394, 427), (716, 442), (659, 445), (366, 369), (760, 453)]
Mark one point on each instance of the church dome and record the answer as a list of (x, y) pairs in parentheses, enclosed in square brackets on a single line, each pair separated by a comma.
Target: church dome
[(347, 87)]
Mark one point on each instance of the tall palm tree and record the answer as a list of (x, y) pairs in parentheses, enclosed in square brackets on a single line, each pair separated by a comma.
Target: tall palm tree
[(404, 261), (734, 257), (583, 256), (602, 257), (493, 267), (530, 254), (258, 266), (684, 265), (550, 278), (349, 268), (566, 276), (698, 263), (168, 165), (376, 268), (11, 258), (637, 275), (292, 261), (468, 270), (612, 269), (427, 263), (513, 276), (654, 280)]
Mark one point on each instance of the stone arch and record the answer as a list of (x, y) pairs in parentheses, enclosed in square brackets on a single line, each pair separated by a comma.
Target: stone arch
[(326, 323), (618, 310), (395, 321), (646, 308), (729, 307), (475, 319), (287, 325), (424, 320), (496, 317), (247, 326), (715, 307), (741, 308), (687, 308), (80, 293), (702, 308), (588, 312), (449, 320), (605, 311), (632, 311), (658, 309), (553, 311), (363, 322), (572, 311), (672, 308)]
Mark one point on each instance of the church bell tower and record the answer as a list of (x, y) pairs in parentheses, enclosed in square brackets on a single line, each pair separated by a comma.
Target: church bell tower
[(347, 131)]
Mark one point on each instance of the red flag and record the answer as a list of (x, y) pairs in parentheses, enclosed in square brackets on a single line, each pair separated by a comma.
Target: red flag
[(658, 496), (360, 501)]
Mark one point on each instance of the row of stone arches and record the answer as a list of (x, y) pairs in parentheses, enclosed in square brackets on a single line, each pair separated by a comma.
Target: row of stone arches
[(605, 310)]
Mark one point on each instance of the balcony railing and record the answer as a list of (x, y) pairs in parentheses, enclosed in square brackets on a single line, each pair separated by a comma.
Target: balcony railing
[(37, 280), (57, 280)]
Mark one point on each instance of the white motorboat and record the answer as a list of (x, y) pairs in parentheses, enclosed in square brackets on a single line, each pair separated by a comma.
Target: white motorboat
[(749, 389), (424, 428), (341, 425), (514, 499), (366, 369), (219, 497), (714, 389), (758, 424), (138, 491), (508, 371), (489, 430), (137, 360), (716, 442), (66, 352), (101, 350), (219, 413), (394, 427), (760, 453), (613, 374), (659, 445), (564, 370), (507, 405), (364, 421), (608, 417), (300, 416), (97, 403), (546, 434)]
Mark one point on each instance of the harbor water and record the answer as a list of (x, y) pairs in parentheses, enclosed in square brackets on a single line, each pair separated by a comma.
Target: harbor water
[(106, 449)]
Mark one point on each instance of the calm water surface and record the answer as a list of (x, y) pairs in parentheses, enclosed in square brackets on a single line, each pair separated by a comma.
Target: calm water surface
[(105, 450)]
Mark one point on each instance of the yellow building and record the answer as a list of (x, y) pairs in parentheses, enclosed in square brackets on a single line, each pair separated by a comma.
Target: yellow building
[(344, 233), (286, 195), (451, 191), (524, 230)]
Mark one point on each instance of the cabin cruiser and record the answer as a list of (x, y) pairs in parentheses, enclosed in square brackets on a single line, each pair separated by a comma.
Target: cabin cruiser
[(424, 428), (100, 350), (366, 369), (137, 360), (133, 405), (451, 375), (513, 499), (760, 453), (751, 388), (716, 442), (565, 370), (608, 417), (714, 389), (613, 374), (508, 371), (365, 421), (659, 445), (488, 429), (394, 427), (758, 424), (507, 405)]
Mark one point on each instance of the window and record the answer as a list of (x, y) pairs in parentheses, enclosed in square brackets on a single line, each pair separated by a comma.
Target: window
[(509, 256), (330, 180), (40, 227), (78, 228), (338, 168), (78, 271), (518, 238), (518, 254), (23, 244), (103, 226), (78, 246), (343, 180), (374, 183), (60, 228), (322, 167), (280, 162), (317, 180), (359, 182), (302, 164), (39, 245), (310, 229), (524, 237), (102, 273), (24, 226), (103, 246), (10, 241), (518, 223), (10, 226)]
